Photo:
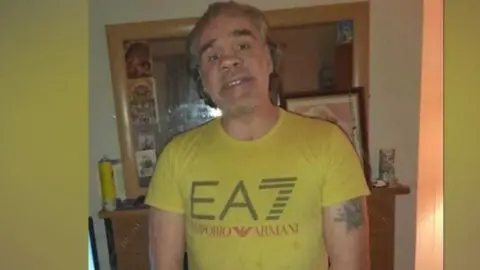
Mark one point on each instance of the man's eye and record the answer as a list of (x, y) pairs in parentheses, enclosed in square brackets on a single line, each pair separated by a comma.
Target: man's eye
[(212, 58), (244, 46)]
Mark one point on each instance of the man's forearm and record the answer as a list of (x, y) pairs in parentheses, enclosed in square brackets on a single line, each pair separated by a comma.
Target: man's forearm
[(167, 241), (358, 261), (164, 258), (165, 263), (347, 235)]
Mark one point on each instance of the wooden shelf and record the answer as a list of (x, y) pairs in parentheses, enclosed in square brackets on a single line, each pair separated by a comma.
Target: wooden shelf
[(122, 213), (395, 189)]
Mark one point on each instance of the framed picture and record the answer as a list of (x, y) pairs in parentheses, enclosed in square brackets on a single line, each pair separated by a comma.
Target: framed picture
[(344, 108)]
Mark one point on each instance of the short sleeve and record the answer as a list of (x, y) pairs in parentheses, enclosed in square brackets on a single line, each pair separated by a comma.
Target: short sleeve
[(343, 172), (164, 192)]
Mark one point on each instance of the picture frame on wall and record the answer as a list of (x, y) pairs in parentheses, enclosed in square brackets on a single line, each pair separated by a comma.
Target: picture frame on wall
[(345, 108)]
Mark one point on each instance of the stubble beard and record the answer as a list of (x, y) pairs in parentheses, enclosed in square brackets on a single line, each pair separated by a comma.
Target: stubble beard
[(243, 107), (246, 108)]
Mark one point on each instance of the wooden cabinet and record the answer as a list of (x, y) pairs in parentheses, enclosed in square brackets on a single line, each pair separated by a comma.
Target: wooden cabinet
[(381, 207), (127, 239), (127, 232)]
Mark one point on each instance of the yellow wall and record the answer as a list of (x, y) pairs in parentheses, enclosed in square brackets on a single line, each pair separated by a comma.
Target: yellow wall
[(462, 135), (43, 135)]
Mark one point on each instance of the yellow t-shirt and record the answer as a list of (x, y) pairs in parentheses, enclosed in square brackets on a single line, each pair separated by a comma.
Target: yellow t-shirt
[(257, 204)]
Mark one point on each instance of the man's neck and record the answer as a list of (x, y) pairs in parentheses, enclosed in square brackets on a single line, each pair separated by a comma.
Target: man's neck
[(251, 125)]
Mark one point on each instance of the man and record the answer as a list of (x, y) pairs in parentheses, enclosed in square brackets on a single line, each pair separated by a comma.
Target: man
[(259, 187)]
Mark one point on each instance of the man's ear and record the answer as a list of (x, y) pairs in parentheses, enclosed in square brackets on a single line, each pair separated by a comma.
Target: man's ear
[(271, 67), (273, 52), (201, 91)]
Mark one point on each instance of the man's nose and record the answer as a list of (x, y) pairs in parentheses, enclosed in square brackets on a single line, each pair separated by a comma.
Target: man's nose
[(230, 61)]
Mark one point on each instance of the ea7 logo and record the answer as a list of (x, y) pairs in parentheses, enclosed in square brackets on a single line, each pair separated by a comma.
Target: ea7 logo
[(284, 187)]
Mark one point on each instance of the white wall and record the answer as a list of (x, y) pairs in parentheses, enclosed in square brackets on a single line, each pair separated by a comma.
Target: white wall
[(394, 85), (395, 50)]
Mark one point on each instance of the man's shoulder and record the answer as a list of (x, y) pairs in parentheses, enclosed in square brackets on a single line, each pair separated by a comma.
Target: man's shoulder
[(307, 124), (315, 133)]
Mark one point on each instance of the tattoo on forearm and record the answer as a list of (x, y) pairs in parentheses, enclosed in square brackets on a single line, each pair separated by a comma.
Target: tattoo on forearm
[(351, 213)]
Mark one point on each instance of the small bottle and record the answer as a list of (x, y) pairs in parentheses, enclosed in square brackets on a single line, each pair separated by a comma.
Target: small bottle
[(107, 184)]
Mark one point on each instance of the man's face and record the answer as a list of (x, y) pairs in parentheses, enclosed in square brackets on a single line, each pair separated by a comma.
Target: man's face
[(235, 63)]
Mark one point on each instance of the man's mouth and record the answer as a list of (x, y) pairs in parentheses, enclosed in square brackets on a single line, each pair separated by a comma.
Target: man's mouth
[(236, 82)]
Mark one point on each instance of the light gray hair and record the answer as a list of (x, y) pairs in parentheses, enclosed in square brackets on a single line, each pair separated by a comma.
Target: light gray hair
[(214, 10)]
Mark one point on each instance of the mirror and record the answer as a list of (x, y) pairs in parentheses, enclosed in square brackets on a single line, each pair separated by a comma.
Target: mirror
[(162, 100)]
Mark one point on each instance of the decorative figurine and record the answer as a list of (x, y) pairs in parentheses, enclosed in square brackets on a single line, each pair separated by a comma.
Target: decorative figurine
[(386, 168)]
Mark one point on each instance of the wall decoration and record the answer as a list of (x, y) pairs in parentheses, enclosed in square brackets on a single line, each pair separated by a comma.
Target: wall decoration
[(142, 101), (326, 78), (146, 161), (344, 108), (386, 168), (138, 59), (146, 140), (344, 32)]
